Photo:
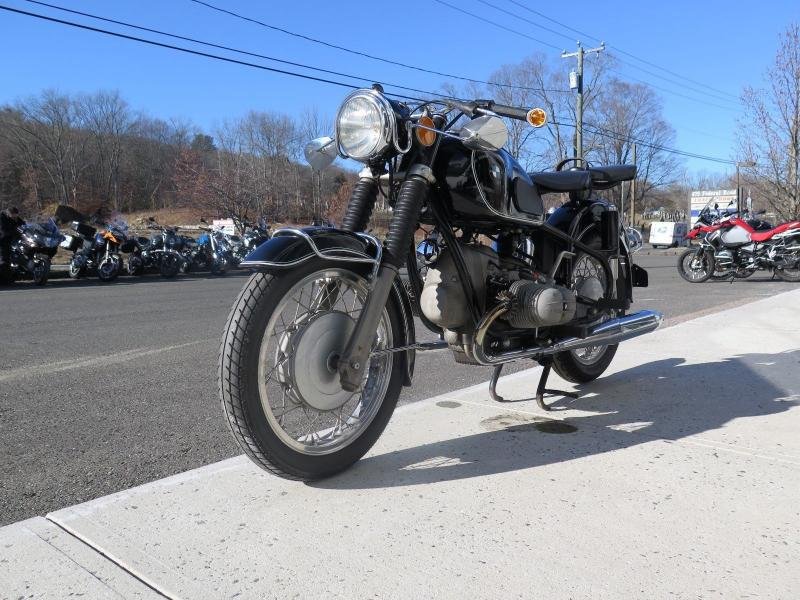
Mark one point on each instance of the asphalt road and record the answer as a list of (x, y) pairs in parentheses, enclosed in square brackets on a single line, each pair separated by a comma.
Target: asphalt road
[(103, 387)]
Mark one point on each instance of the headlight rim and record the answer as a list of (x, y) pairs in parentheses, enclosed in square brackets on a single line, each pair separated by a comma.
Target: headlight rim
[(388, 118)]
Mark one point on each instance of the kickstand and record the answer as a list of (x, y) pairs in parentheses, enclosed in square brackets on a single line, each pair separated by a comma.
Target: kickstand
[(493, 384), (542, 391)]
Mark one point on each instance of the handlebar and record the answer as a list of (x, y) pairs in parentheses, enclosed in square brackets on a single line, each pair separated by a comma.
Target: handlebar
[(488, 106)]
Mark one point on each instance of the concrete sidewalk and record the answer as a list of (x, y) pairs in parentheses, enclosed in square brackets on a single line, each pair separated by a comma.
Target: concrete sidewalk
[(675, 475)]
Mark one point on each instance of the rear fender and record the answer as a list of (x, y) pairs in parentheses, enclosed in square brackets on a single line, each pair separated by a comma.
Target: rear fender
[(359, 252)]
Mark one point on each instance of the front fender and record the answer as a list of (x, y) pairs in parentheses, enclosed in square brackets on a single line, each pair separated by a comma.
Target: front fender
[(360, 252), (292, 247)]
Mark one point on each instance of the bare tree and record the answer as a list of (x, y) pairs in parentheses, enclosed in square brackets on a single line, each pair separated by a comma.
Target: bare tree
[(769, 133), (628, 112)]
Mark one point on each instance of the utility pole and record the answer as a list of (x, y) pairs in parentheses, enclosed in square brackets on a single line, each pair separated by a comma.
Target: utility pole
[(633, 191), (576, 82)]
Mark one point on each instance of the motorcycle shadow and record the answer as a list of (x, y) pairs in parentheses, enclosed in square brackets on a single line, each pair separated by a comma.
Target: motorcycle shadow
[(661, 400)]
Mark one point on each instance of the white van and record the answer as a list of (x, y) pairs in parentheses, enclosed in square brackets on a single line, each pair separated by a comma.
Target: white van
[(666, 234)]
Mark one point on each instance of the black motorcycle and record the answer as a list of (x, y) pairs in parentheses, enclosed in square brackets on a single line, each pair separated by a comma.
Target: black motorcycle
[(252, 237), (100, 251), (33, 250), (212, 251), (321, 340), (163, 251)]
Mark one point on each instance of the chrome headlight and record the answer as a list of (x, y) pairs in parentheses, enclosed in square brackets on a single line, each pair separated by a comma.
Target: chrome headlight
[(365, 125)]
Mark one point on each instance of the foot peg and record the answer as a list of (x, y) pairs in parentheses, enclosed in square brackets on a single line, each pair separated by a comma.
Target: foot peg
[(541, 389)]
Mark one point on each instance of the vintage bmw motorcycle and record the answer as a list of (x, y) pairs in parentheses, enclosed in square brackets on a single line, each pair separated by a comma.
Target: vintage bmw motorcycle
[(321, 339)]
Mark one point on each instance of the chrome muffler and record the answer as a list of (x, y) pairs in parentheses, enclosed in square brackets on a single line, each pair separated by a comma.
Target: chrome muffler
[(608, 332)]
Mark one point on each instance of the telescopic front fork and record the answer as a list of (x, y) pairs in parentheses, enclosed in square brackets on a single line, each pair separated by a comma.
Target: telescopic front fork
[(410, 200)]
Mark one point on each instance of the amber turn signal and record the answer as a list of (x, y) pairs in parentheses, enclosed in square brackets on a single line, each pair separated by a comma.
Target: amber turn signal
[(424, 136), (536, 117)]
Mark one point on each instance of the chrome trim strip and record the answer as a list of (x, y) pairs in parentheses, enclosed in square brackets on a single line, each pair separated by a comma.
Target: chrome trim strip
[(326, 255)]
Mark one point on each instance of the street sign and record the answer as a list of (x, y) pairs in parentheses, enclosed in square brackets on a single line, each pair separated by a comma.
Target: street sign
[(226, 224), (699, 199)]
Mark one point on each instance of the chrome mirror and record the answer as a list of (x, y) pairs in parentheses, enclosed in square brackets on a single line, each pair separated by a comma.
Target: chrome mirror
[(320, 153), (485, 133)]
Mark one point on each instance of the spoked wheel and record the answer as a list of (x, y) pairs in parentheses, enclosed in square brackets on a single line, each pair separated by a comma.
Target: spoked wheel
[(695, 266), (586, 364), (791, 272), (279, 383)]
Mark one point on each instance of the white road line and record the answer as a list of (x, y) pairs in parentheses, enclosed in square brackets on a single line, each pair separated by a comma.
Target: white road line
[(91, 361)]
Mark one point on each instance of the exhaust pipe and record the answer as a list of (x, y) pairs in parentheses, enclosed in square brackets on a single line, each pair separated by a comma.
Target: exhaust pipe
[(606, 333)]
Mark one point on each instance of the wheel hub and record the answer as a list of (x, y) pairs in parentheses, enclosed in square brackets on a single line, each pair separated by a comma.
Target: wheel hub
[(313, 352)]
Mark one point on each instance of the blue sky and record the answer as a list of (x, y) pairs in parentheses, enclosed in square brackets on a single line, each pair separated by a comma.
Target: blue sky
[(725, 44)]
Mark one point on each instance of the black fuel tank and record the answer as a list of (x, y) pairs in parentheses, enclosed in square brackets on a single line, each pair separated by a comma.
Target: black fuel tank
[(508, 191)]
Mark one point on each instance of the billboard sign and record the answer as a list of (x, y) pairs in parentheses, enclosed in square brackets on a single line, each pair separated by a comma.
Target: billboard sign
[(702, 198)]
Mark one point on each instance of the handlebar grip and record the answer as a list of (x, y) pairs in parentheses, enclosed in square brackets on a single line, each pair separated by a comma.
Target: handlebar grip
[(512, 112)]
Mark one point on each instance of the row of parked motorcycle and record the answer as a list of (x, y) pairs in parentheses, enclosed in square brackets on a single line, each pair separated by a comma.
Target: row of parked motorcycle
[(109, 250), (733, 245)]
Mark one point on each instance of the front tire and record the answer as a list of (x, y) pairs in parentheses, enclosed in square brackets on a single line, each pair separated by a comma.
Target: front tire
[(170, 265), (695, 266), (41, 271), (303, 380)]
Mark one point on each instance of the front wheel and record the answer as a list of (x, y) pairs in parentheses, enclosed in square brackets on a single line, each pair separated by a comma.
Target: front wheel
[(169, 266), (696, 266), (41, 271), (278, 378), (108, 270)]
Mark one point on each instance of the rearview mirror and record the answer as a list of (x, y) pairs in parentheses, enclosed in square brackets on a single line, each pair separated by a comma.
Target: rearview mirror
[(485, 133), (320, 153)]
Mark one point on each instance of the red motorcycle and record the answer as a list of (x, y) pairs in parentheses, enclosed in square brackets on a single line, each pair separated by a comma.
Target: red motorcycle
[(731, 246)]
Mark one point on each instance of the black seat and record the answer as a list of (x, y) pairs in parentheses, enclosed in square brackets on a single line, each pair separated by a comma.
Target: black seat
[(551, 182), (611, 175)]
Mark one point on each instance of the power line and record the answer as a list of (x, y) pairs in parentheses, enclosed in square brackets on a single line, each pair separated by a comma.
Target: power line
[(221, 47), (598, 131), (603, 132), (719, 97), (526, 36), (620, 50), (367, 55)]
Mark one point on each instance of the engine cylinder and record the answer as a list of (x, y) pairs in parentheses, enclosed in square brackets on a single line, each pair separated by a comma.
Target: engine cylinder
[(540, 305)]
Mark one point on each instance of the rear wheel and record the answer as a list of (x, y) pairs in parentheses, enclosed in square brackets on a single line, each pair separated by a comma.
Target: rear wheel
[(696, 265), (586, 364), (791, 272), (75, 269), (278, 380), (135, 265)]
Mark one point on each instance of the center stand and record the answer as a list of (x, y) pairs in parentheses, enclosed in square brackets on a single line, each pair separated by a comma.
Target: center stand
[(541, 389)]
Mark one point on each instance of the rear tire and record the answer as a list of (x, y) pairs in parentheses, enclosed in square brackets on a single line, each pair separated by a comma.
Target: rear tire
[(790, 275), (582, 366), (263, 438), (569, 366)]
